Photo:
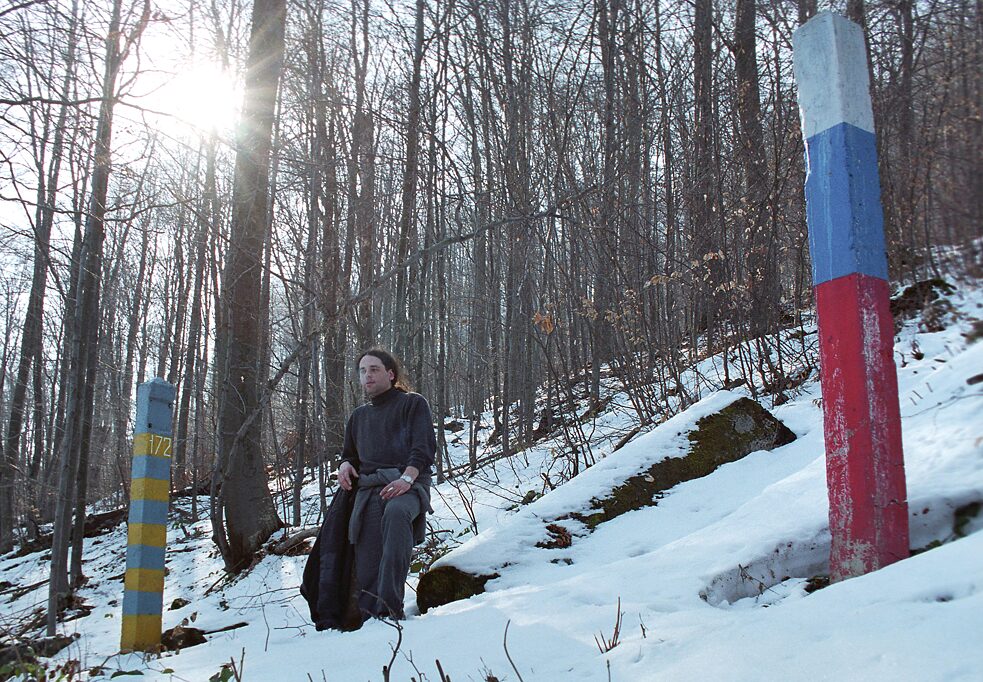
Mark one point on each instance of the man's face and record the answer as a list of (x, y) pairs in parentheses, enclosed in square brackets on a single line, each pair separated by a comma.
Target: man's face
[(374, 376)]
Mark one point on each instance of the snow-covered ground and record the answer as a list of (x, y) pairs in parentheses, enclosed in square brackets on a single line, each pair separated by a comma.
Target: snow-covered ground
[(711, 581)]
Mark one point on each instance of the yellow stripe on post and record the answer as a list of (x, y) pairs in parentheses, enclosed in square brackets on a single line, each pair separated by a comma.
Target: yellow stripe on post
[(149, 489), (144, 580), (151, 444), (140, 632), (152, 534)]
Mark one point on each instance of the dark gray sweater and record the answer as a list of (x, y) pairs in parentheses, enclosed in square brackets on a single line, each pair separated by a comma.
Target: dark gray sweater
[(395, 429)]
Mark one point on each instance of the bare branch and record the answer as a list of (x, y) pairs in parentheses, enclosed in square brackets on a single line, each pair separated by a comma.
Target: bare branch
[(23, 5)]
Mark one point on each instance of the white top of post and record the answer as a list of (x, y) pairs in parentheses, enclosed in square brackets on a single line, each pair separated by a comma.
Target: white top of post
[(830, 63)]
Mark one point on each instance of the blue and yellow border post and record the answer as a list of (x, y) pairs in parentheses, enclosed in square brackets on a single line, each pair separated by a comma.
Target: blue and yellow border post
[(143, 595)]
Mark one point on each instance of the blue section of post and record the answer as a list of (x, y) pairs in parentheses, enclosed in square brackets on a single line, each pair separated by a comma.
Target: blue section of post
[(846, 225), (148, 466), (144, 556), (155, 399), (147, 511)]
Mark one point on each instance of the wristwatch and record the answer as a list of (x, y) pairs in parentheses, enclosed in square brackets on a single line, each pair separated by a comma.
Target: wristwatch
[(405, 477)]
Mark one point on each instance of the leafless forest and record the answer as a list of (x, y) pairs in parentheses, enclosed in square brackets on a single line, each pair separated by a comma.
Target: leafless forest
[(516, 196)]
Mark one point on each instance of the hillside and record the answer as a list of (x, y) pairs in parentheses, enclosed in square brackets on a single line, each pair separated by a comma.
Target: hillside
[(715, 581)]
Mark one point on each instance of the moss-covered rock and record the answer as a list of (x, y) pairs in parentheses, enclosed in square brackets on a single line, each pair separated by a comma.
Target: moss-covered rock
[(963, 516), (736, 431), (445, 584), (926, 298)]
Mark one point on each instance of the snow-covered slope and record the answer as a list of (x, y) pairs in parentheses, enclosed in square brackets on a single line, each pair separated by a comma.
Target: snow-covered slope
[(711, 582)]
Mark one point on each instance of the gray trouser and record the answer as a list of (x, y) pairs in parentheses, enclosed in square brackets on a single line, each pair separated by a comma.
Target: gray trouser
[(383, 551)]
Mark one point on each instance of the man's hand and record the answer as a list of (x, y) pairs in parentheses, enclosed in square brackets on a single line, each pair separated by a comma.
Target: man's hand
[(400, 485), (395, 489), (346, 475)]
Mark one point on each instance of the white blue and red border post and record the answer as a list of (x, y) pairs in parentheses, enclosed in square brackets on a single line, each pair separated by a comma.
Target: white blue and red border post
[(868, 510), (143, 585)]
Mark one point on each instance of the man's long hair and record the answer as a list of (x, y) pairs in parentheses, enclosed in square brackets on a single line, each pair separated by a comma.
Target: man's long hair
[(391, 363)]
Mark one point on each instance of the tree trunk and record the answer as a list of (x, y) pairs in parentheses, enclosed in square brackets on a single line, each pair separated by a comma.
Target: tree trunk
[(311, 261), (361, 179), (190, 375), (807, 10), (246, 504), (408, 194), (905, 199), (856, 11), (761, 276), (335, 283), (702, 191), (605, 226), (85, 328)]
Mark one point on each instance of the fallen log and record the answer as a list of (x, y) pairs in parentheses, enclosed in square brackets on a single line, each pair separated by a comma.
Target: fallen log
[(289, 543)]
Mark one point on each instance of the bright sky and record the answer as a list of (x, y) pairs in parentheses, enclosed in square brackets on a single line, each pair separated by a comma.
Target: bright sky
[(201, 97), (195, 91)]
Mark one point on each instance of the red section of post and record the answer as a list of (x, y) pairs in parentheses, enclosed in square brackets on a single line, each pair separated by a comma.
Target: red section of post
[(864, 462)]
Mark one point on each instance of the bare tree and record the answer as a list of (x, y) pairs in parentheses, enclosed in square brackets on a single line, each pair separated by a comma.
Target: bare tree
[(84, 337), (245, 516), (760, 277), (410, 178), (31, 339)]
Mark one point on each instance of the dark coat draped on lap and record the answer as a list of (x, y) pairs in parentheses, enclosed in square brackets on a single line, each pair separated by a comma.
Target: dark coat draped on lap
[(328, 582)]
